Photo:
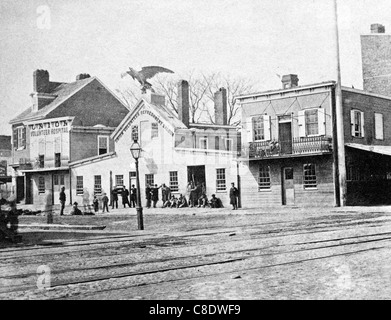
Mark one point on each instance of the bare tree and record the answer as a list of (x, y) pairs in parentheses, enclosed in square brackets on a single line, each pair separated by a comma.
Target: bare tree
[(201, 94)]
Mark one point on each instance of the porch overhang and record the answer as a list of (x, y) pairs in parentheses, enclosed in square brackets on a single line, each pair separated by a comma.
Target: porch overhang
[(285, 156), (44, 170), (384, 150)]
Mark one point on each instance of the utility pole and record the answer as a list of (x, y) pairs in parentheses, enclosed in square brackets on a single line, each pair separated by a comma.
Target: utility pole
[(339, 116)]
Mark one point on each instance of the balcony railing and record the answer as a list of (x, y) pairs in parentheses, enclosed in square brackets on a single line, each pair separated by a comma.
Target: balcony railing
[(296, 146)]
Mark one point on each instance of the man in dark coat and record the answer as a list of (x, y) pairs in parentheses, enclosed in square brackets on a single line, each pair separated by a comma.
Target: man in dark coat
[(148, 195), (133, 196), (62, 198), (233, 196), (114, 197), (125, 197), (155, 195)]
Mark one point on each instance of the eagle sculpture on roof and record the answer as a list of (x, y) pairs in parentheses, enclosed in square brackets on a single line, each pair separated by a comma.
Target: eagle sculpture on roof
[(144, 74)]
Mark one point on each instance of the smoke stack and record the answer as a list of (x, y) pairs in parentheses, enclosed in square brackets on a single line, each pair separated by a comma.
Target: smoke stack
[(183, 102), (377, 28), (41, 82), (289, 81), (220, 101)]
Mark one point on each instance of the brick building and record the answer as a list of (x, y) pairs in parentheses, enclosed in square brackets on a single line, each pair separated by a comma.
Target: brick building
[(66, 122), (5, 161), (174, 151), (376, 60), (289, 146)]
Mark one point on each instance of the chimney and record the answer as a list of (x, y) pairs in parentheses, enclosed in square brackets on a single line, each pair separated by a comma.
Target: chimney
[(183, 102), (41, 82), (82, 76), (220, 101), (289, 81), (377, 28)]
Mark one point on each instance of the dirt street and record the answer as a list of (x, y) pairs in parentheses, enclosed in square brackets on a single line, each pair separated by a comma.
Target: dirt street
[(288, 253)]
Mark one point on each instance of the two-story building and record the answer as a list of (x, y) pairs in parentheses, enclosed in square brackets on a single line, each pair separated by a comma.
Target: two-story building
[(289, 145), (5, 161), (66, 122), (174, 151)]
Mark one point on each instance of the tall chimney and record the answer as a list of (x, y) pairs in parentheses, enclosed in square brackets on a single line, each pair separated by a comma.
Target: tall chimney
[(377, 28), (289, 81), (220, 101), (41, 81), (183, 102)]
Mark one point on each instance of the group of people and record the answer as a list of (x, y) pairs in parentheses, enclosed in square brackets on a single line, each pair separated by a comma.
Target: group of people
[(196, 198)]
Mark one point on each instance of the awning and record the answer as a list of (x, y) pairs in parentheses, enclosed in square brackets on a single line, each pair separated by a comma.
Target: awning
[(385, 150), (42, 170)]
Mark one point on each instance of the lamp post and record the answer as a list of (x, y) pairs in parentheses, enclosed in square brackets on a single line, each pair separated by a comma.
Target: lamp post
[(135, 150)]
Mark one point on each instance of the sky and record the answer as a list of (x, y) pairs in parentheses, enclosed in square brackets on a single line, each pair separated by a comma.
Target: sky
[(254, 39)]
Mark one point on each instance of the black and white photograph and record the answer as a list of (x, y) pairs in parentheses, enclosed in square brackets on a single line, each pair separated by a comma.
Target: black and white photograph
[(209, 152)]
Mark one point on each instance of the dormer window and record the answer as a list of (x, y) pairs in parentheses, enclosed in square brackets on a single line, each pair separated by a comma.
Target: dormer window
[(103, 145)]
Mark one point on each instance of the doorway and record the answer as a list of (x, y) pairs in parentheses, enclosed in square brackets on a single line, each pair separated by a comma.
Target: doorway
[(196, 174), (285, 136), (19, 188), (287, 186)]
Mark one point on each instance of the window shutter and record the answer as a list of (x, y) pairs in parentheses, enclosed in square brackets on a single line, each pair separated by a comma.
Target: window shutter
[(352, 121), (15, 139), (321, 122), (23, 136), (301, 120), (362, 124), (250, 131), (379, 134), (266, 127)]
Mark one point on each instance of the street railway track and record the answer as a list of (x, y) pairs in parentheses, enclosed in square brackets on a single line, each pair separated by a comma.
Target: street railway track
[(218, 262), (9, 254)]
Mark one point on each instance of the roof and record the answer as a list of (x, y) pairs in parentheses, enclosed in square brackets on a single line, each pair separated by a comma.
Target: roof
[(62, 92), (93, 159), (268, 92), (385, 150)]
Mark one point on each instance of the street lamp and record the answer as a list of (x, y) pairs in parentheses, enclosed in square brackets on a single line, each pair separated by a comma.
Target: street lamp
[(135, 150)]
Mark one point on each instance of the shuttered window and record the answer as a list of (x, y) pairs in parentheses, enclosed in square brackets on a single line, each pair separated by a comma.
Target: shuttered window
[(379, 128), (79, 185), (264, 178), (174, 181), (309, 179), (357, 123), (97, 185)]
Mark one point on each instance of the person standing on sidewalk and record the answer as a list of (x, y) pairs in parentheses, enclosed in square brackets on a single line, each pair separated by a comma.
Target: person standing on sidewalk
[(125, 197), (115, 199), (96, 204), (155, 195), (105, 201), (133, 196), (148, 195), (62, 198), (233, 196)]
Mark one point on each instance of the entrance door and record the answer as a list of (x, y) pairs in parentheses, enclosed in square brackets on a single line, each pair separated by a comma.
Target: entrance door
[(196, 174), (132, 178), (288, 191), (19, 188), (285, 137)]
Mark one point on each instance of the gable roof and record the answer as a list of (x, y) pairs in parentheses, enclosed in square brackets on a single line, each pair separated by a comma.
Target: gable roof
[(164, 112), (62, 92)]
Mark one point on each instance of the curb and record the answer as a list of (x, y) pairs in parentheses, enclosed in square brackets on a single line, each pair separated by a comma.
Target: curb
[(59, 227)]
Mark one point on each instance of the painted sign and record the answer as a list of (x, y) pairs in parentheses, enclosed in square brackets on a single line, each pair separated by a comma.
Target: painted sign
[(49, 128)]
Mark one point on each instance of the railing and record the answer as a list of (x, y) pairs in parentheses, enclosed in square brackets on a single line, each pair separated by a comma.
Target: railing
[(274, 148)]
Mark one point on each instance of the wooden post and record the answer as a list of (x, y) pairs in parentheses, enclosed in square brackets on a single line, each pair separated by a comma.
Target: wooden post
[(339, 116)]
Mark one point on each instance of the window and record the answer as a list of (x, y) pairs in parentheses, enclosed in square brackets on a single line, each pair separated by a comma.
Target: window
[(79, 185), (41, 160), (217, 143), (135, 133), (220, 180), (55, 180), (97, 185), (19, 138), (379, 128), (119, 180), (264, 178), (149, 180), (58, 180), (103, 145), (41, 185), (357, 123), (57, 159), (174, 181), (311, 122), (309, 176), (204, 143), (228, 144), (154, 130), (61, 180), (258, 127)]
